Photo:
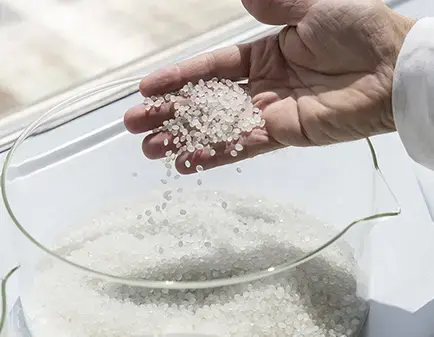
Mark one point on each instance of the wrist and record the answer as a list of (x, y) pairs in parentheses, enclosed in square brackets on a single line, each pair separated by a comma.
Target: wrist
[(401, 26)]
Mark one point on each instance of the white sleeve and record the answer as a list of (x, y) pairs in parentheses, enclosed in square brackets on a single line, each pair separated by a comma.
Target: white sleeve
[(413, 93)]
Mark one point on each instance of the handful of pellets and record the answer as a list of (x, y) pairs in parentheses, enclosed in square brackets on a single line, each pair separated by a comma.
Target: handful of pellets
[(206, 114)]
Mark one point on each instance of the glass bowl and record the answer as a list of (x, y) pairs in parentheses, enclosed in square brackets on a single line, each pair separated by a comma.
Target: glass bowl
[(277, 245)]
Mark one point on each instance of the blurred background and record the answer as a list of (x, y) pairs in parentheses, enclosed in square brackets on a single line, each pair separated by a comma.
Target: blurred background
[(48, 47)]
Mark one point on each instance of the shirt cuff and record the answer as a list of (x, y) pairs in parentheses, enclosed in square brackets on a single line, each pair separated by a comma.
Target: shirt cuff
[(413, 93)]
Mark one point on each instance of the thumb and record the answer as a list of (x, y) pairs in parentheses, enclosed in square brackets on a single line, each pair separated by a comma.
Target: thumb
[(278, 12)]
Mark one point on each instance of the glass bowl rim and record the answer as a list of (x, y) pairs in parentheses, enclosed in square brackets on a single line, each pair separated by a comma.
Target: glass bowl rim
[(253, 276)]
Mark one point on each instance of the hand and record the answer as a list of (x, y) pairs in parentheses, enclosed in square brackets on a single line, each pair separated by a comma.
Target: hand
[(325, 78)]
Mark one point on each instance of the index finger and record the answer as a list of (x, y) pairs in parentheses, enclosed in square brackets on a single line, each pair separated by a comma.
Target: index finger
[(230, 62)]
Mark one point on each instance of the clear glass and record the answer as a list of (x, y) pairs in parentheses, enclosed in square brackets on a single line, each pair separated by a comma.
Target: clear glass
[(425, 180), (79, 196)]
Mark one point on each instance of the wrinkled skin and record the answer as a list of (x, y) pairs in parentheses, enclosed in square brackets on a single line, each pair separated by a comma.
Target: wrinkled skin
[(325, 78)]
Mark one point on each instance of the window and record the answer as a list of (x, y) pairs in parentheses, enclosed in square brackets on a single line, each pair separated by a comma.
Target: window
[(50, 47)]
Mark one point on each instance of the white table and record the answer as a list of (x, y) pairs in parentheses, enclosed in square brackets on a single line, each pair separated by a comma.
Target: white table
[(402, 281)]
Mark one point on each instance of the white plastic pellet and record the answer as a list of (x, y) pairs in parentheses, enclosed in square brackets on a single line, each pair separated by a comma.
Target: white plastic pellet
[(239, 147)]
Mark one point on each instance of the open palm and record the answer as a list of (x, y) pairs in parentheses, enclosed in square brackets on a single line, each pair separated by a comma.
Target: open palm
[(325, 78)]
